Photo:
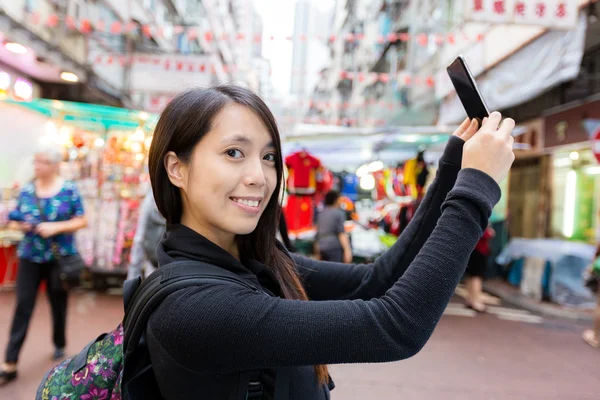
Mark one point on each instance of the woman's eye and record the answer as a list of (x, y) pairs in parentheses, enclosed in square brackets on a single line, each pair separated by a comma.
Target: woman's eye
[(270, 157), (234, 153)]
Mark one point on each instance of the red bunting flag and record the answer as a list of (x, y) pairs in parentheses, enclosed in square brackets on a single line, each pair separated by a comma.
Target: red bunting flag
[(52, 21), (86, 26), (116, 28)]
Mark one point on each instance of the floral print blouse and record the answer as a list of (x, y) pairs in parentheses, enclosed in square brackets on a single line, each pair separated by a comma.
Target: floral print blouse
[(63, 206)]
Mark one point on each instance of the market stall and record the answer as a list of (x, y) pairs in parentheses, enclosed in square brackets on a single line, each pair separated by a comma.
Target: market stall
[(381, 175), (106, 151)]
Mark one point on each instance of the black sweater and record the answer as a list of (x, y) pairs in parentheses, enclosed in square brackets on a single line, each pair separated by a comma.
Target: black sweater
[(200, 338)]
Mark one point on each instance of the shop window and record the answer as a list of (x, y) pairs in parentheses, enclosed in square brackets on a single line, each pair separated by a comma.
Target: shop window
[(574, 205)]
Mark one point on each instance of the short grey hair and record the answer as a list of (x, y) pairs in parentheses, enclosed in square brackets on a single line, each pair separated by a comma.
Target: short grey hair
[(54, 152)]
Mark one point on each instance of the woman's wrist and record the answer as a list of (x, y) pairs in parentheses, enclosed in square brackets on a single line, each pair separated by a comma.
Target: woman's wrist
[(453, 152)]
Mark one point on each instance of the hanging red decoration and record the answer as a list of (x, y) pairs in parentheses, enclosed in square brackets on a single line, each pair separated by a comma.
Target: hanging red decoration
[(52, 20), (116, 28), (146, 31), (86, 26)]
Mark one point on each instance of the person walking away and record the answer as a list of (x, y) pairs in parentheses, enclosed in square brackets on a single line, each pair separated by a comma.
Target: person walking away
[(149, 232), (592, 336), (48, 232), (476, 271), (333, 243)]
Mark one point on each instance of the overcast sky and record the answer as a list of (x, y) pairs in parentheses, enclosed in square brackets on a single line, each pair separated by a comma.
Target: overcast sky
[(278, 21)]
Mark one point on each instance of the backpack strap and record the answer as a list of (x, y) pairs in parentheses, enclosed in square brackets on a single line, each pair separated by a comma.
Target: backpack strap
[(168, 279), (130, 286)]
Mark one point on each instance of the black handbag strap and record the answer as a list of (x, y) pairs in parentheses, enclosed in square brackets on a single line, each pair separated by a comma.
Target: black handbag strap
[(141, 299)]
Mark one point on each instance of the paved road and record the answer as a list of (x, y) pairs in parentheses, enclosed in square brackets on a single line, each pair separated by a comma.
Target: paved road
[(470, 356)]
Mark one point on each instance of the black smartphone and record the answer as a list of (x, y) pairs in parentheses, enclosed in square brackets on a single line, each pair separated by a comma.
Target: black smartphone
[(467, 90)]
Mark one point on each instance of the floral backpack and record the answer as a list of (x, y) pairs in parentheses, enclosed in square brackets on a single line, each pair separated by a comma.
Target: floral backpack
[(108, 367)]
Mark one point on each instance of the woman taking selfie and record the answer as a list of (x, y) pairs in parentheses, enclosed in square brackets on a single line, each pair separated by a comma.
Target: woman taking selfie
[(215, 163)]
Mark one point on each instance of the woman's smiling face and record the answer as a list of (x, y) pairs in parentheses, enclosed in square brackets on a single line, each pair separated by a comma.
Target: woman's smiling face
[(230, 177)]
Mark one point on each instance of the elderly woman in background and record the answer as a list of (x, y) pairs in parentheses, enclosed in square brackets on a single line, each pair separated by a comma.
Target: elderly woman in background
[(49, 211)]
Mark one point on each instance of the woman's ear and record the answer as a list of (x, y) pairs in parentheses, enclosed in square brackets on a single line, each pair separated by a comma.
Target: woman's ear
[(175, 169)]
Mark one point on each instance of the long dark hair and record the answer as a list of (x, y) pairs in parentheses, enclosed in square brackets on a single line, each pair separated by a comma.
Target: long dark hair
[(182, 124)]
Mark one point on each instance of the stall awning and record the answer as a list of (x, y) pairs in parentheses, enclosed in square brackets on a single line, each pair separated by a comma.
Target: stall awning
[(548, 61), (92, 117)]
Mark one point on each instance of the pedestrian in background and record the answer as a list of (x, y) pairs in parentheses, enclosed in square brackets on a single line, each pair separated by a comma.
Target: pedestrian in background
[(592, 278), (149, 232), (333, 243), (49, 211), (476, 271)]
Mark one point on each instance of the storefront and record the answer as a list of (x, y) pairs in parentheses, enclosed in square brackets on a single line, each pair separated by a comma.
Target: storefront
[(575, 171), (529, 185)]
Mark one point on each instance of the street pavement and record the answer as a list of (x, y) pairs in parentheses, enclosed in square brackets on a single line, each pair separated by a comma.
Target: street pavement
[(506, 354)]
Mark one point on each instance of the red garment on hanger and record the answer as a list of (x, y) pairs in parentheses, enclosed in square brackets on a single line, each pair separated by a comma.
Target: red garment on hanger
[(302, 168)]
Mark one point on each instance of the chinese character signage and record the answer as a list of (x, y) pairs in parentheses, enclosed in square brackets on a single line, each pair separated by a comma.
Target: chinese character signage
[(558, 14)]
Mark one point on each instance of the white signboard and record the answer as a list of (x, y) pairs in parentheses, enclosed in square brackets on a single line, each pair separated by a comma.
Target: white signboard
[(170, 73), (557, 14)]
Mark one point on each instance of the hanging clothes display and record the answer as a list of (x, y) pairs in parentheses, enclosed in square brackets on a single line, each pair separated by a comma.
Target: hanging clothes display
[(349, 184), (302, 168), (299, 212)]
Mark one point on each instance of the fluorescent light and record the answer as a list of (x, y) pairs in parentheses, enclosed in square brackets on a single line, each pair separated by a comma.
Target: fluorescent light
[(51, 129), (23, 89), (367, 182), (136, 147), (409, 138), (569, 213), (4, 80), (69, 77), (375, 166), (15, 48), (593, 170), (574, 156), (138, 135), (363, 170), (563, 162)]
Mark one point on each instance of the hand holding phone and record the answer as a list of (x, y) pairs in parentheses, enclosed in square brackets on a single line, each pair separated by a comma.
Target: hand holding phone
[(467, 90), (469, 95)]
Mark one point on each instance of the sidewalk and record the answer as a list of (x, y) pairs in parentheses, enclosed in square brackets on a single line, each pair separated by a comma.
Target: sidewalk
[(511, 295)]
